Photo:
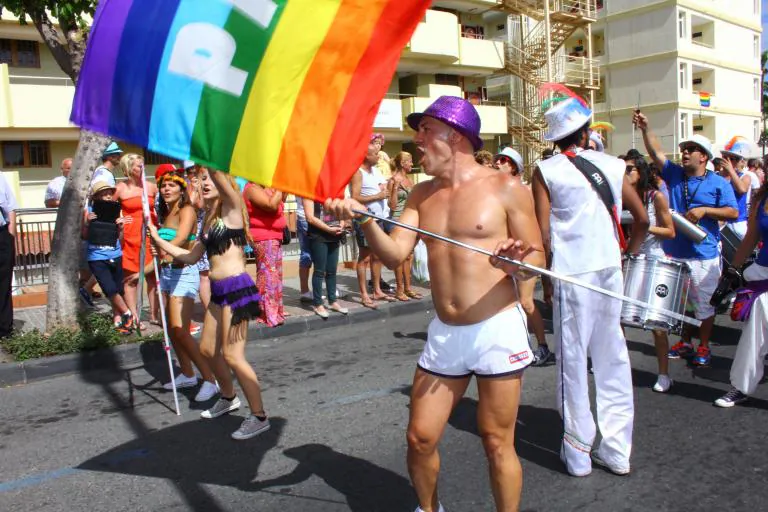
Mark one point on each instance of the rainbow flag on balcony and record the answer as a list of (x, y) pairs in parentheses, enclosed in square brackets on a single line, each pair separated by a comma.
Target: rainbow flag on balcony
[(280, 92), (704, 99)]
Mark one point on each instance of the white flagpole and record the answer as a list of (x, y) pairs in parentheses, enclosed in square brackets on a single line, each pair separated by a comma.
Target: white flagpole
[(533, 268), (166, 340)]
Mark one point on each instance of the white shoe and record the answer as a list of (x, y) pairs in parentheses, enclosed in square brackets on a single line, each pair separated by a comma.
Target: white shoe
[(207, 391), (251, 427), (663, 383), (182, 381), (440, 509), (613, 469)]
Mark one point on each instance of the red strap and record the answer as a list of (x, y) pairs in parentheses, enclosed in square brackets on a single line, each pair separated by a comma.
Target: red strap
[(617, 224)]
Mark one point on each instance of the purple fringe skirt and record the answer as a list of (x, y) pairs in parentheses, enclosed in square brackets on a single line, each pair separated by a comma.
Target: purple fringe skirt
[(239, 293)]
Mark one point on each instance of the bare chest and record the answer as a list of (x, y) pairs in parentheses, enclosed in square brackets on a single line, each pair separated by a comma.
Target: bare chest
[(464, 214)]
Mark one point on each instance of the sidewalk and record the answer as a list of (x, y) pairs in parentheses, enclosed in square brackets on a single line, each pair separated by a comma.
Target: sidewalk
[(349, 296)]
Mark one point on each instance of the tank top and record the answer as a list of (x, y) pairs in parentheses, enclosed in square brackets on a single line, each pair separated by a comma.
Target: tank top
[(651, 246), (402, 197), (370, 187), (762, 224)]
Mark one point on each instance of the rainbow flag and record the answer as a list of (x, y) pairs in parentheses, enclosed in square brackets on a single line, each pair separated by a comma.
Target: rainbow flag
[(704, 99), (281, 92)]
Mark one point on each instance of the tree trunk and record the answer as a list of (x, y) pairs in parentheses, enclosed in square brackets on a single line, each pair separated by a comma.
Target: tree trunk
[(63, 286)]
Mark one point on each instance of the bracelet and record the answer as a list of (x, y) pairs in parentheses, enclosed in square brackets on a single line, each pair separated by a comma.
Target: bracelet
[(366, 221)]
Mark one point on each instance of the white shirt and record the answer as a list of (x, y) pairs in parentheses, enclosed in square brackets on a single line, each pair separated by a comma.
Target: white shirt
[(55, 188), (371, 186), (103, 174), (583, 236), (7, 200)]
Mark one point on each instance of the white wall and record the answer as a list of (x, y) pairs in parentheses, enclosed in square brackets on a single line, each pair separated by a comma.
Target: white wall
[(641, 35), (662, 123), (656, 81)]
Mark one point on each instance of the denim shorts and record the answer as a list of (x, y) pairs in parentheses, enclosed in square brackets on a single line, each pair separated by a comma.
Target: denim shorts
[(180, 282), (305, 260)]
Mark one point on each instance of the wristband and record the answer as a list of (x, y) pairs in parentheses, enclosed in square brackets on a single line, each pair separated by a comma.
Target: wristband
[(364, 222)]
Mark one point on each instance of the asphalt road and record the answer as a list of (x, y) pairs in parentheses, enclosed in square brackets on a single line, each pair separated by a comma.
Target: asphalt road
[(338, 401)]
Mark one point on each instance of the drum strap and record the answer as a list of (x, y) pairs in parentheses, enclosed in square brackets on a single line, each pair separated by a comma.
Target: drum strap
[(596, 177)]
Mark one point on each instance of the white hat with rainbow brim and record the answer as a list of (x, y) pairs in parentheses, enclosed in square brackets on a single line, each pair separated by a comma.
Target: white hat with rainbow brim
[(700, 141), (565, 118), (512, 154), (739, 146)]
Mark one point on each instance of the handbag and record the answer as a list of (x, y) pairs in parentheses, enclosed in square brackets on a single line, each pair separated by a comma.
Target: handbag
[(745, 298), (286, 235)]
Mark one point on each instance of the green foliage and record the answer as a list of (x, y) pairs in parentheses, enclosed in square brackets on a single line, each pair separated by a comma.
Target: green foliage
[(96, 332), (71, 12)]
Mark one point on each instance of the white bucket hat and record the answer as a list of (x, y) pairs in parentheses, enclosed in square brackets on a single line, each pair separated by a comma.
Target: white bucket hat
[(738, 146), (702, 142), (565, 118), (513, 155)]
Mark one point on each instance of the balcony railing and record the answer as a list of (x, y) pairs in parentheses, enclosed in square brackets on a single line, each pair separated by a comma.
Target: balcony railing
[(578, 72)]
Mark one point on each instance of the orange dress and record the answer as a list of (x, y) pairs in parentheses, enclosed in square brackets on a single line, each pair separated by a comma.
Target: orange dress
[(132, 233)]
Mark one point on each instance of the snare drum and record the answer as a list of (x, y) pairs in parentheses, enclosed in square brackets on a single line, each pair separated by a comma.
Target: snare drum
[(662, 283)]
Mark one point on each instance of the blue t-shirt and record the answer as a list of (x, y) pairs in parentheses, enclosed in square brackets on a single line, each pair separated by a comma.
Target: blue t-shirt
[(762, 224), (710, 191), (741, 200)]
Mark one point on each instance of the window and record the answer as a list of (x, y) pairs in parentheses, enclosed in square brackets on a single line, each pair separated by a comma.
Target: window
[(682, 25), (756, 6), (152, 158), (442, 79), (684, 82), (20, 54), (756, 46), (683, 126), (33, 153), (756, 88)]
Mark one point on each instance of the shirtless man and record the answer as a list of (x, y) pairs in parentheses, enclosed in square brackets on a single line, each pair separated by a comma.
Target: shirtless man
[(480, 326)]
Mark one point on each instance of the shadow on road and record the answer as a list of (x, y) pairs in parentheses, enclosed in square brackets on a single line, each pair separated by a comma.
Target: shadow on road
[(365, 485), (537, 434)]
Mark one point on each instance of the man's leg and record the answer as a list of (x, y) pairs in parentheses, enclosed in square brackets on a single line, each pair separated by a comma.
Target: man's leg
[(613, 374), (496, 417), (432, 400), (7, 256)]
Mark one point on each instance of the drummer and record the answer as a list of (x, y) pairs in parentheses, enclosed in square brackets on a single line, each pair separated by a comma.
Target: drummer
[(705, 199), (661, 228)]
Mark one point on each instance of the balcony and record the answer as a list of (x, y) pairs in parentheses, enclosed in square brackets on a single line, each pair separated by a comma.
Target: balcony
[(33, 101), (481, 53), (577, 72), (493, 116), (436, 38), (390, 114)]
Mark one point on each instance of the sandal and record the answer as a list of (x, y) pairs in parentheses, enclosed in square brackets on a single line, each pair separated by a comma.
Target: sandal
[(368, 303), (156, 322), (387, 298), (338, 309), (414, 295), (402, 297)]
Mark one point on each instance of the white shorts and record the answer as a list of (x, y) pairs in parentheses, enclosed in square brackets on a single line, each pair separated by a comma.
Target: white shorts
[(494, 347), (705, 275)]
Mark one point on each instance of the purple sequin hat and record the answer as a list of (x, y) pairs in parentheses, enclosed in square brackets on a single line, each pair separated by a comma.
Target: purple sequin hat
[(457, 113)]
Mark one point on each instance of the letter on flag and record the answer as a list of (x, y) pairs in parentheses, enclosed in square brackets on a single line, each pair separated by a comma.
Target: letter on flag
[(280, 92)]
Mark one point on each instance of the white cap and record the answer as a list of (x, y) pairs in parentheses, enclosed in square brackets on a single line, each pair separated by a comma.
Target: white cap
[(188, 163), (598, 140), (512, 154), (565, 118), (702, 142)]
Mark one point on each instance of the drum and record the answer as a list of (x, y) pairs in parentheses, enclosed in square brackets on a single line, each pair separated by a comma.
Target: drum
[(660, 282), (731, 242)]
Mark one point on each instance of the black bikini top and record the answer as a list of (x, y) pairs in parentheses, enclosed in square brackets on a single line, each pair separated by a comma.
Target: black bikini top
[(219, 238)]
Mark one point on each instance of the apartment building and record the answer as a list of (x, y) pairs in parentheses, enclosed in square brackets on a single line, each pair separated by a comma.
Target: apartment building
[(452, 52), (668, 57)]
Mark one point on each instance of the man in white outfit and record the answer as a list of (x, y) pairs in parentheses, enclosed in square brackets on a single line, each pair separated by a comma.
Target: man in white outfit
[(581, 239)]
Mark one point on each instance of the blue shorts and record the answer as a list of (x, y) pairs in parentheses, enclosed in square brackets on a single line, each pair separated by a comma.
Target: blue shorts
[(180, 282), (305, 260)]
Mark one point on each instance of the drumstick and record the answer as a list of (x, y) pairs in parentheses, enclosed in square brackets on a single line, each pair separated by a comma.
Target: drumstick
[(538, 270)]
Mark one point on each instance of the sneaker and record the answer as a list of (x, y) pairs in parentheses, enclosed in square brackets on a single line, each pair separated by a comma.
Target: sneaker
[(731, 398), (251, 427), (541, 355), (222, 406), (182, 381), (207, 391), (86, 297), (127, 325), (681, 349), (306, 297), (663, 383), (702, 357), (615, 470)]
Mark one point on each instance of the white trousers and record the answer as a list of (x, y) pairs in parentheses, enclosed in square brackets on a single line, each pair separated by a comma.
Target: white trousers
[(747, 367), (588, 323)]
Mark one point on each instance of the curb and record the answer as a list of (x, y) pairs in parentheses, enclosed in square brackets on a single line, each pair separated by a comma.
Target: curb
[(136, 355)]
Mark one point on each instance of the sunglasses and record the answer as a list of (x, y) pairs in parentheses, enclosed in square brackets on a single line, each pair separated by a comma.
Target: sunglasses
[(690, 148), (504, 160)]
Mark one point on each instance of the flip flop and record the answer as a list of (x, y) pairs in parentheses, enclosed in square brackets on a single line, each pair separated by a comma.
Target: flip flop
[(414, 295), (402, 297), (387, 298), (369, 304)]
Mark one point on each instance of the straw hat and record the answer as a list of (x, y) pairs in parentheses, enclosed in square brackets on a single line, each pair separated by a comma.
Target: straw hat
[(100, 186)]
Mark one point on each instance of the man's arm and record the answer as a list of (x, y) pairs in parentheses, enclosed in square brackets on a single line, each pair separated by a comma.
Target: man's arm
[(356, 187), (542, 206), (632, 202), (727, 208), (652, 144)]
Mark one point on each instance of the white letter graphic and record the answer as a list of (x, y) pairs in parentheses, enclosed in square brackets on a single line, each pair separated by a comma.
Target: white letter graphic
[(260, 11), (204, 52)]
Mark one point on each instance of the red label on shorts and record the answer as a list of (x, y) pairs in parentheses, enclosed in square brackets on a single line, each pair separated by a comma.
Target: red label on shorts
[(520, 356)]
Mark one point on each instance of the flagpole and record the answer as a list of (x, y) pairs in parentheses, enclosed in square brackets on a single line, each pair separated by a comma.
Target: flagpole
[(538, 270), (166, 340)]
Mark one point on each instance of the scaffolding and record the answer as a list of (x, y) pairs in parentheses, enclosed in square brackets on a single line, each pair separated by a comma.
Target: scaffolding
[(537, 56)]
